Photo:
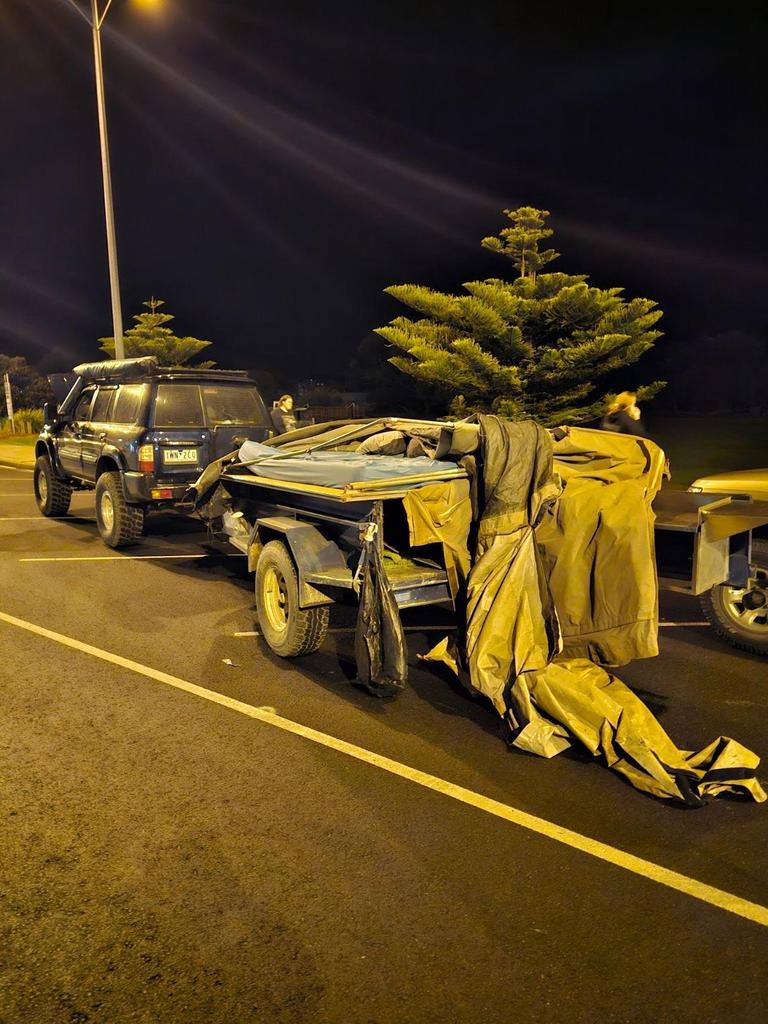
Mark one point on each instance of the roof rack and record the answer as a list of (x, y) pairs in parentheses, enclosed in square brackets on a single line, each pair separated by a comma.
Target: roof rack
[(148, 366), (197, 371)]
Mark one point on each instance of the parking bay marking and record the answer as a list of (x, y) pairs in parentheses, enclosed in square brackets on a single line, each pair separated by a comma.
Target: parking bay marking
[(126, 558), (48, 519), (719, 898)]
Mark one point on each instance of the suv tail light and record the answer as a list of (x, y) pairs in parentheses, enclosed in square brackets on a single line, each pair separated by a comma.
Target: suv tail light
[(146, 458)]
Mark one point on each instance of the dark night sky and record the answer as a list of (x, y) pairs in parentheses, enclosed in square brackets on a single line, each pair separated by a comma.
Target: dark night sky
[(277, 165)]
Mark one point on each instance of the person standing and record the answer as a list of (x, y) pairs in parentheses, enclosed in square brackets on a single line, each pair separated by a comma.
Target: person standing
[(623, 416), (283, 416)]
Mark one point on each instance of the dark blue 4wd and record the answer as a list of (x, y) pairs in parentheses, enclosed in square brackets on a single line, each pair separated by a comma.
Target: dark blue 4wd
[(140, 433)]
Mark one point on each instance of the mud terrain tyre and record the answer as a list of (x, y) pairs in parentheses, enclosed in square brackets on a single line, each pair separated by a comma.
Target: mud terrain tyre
[(740, 614), (289, 630), (119, 523), (51, 494)]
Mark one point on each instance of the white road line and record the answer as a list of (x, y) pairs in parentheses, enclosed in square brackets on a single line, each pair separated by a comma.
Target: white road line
[(46, 519), (719, 898), (670, 625), (126, 558)]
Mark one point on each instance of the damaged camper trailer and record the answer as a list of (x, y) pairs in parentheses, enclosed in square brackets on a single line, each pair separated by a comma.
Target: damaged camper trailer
[(543, 542)]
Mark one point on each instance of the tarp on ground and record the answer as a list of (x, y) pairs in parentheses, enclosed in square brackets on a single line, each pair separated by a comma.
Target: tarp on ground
[(574, 698)]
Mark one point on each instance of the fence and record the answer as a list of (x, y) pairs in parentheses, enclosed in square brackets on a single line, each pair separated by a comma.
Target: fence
[(343, 411)]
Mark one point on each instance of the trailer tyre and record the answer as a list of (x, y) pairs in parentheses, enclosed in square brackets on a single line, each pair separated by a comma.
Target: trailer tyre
[(51, 494), (288, 629), (740, 614)]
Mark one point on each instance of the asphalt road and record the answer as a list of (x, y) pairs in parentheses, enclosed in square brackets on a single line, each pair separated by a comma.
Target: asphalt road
[(168, 858)]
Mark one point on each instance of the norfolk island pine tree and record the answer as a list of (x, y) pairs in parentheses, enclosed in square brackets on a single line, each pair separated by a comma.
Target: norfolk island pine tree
[(150, 337), (530, 347)]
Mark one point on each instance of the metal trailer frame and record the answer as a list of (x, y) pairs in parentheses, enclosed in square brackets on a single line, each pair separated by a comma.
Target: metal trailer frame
[(325, 529), (704, 540)]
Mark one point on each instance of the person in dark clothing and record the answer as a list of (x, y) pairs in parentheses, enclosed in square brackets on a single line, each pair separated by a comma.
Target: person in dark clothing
[(283, 418), (623, 416)]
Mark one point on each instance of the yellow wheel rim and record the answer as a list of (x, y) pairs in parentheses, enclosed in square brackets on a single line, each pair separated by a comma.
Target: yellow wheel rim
[(107, 510), (275, 594)]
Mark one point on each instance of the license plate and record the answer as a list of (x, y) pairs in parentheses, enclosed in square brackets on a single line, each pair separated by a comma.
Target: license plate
[(179, 455)]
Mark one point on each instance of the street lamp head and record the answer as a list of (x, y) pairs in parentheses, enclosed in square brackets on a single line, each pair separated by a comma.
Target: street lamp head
[(148, 5)]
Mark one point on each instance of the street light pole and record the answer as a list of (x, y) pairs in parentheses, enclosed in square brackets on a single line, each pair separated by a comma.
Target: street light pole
[(97, 20)]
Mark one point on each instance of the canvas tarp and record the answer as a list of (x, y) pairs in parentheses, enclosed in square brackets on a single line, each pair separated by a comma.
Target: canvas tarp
[(442, 513), (511, 621), (380, 648), (574, 698), (597, 544), (334, 468), (583, 542)]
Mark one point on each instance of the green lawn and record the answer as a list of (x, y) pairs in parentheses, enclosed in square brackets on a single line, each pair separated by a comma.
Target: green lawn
[(18, 451), (27, 441), (699, 445)]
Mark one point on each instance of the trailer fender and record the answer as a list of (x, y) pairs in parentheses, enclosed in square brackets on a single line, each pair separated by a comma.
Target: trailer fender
[(316, 558)]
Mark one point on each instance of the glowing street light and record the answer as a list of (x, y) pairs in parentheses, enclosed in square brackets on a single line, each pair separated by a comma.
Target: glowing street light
[(96, 21)]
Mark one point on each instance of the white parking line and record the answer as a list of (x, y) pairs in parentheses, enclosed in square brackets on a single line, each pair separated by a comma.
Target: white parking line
[(126, 558), (719, 898), (670, 625), (46, 519)]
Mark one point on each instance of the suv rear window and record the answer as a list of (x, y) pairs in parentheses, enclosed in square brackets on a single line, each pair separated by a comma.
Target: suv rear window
[(226, 404), (178, 405), (101, 407), (127, 405), (83, 407)]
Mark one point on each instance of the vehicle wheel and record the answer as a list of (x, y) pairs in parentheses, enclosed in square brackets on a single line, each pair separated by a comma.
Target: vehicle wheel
[(289, 630), (51, 494), (120, 524), (740, 614)]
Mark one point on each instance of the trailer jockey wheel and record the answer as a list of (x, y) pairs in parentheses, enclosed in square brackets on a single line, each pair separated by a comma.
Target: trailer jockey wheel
[(288, 629), (740, 614)]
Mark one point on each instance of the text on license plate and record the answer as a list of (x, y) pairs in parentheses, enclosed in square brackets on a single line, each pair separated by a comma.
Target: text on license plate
[(177, 455)]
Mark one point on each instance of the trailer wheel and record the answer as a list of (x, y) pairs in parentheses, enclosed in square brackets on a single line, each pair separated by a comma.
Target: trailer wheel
[(740, 614), (288, 629)]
